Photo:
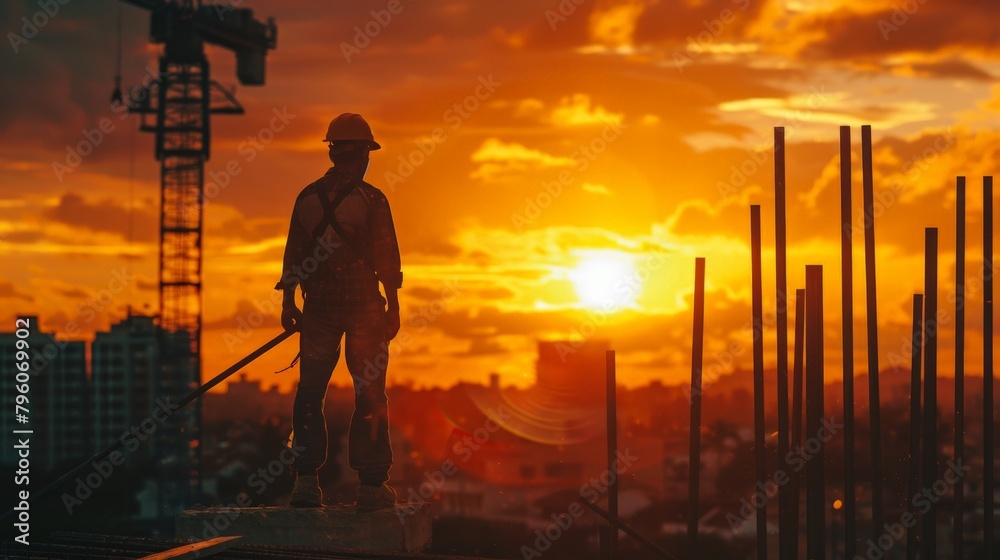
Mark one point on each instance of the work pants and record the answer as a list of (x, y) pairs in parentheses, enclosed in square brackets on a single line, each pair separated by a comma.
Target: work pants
[(367, 355)]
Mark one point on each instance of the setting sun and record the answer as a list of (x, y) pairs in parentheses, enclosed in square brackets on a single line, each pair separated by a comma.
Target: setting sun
[(606, 280)]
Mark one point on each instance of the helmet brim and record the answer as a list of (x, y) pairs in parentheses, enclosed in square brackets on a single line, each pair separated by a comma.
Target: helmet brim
[(372, 145), (341, 146)]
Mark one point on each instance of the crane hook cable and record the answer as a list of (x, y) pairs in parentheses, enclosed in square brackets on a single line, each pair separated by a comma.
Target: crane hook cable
[(178, 405)]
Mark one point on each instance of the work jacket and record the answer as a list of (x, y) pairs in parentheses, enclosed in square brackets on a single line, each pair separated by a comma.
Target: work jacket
[(341, 274)]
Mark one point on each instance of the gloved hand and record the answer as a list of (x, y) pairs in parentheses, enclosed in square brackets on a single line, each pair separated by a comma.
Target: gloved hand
[(291, 317), (391, 323)]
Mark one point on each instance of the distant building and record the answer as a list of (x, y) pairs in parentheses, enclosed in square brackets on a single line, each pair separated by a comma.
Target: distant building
[(124, 363), (515, 449), (572, 371), (136, 381), (245, 401), (57, 403)]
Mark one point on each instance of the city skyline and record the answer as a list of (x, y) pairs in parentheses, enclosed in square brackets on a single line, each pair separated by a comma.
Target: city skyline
[(506, 454)]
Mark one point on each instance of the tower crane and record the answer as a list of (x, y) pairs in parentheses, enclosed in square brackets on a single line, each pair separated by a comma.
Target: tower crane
[(177, 108)]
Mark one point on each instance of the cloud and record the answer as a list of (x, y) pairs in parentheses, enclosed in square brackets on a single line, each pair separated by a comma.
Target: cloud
[(700, 217), (58, 69), (610, 60), (103, 216), (496, 293), (23, 236), (71, 292), (528, 107), (498, 160), (966, 26), (423, 293), (482, 346), (993, 103), (575, 110), (640, 27), (10, 291), (595, 188), (493, 149), (950, 68), (246, 313), (614, 25)]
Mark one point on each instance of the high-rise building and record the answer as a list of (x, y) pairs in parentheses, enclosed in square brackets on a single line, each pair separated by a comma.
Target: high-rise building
[(134, 391), (125, 364), (57, 398)]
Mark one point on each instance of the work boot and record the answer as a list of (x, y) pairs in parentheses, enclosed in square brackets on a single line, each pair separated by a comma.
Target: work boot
[(306, 493), (374, 498)]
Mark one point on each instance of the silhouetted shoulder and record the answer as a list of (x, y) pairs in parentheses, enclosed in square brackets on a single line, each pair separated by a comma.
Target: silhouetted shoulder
[(309, 189), (373, 193)]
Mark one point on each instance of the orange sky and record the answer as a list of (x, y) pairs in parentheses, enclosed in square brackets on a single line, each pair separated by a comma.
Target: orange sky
[(612, 142)]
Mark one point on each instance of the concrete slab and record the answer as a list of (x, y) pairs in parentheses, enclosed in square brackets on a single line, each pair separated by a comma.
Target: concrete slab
[(405, 528)]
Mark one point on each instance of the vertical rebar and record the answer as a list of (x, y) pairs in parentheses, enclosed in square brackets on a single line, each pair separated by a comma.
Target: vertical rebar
[(847, 318), (874, 404), (797, 368), (815, 479), (988, 424), (612, 406), (694, 456), (928, 532), (959, 452), (758, 377), (781, 317), (913, 480)]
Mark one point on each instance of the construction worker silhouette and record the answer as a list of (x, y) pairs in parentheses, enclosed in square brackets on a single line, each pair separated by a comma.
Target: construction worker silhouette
[(341, 244)]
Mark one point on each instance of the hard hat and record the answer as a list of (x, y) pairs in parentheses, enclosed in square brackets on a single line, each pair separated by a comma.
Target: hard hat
[(351, 127)]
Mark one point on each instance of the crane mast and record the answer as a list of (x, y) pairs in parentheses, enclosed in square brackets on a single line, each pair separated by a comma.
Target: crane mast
[(177, 109)]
